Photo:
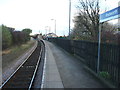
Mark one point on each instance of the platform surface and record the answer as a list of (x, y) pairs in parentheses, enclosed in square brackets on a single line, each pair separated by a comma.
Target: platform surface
[(62, 70)]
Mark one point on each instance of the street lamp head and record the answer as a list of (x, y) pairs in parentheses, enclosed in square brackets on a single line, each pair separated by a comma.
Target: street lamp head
[(52, 19), (55, 24)]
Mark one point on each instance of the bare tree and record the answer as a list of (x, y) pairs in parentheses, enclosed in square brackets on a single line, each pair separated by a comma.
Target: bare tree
[(88, 18)]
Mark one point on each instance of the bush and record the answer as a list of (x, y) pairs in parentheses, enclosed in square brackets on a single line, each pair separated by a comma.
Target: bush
[(6, 37), (19, 37), (110, 37), (105, 75), (10, 36), (27, 31)]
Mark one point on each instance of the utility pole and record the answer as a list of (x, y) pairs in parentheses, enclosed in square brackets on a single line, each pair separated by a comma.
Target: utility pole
[(69, 16), (55, 24), (46, 28)]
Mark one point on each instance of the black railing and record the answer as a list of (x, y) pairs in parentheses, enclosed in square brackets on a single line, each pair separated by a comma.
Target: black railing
[(110, 61), (109, 56), (88, 51)]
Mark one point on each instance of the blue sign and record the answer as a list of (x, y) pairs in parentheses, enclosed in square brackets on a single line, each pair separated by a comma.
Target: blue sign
[(109, 15)]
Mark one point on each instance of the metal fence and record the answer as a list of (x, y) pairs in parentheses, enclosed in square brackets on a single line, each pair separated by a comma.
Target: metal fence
[(109, 56), (110, 62), (88, 51)]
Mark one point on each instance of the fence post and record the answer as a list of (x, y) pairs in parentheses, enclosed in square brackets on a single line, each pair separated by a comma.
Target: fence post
[(119, 51), (118, 62), (72, 46)]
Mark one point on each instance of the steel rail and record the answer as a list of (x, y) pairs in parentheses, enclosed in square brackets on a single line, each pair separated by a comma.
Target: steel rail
[(44, 67), (32, 80), (18, 67)]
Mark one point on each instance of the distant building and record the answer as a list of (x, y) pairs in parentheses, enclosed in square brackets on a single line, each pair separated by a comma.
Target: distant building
[(40, 37), (49, 35)]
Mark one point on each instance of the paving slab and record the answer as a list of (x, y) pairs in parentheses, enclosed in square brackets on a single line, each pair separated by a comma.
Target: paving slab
[(51, 77)]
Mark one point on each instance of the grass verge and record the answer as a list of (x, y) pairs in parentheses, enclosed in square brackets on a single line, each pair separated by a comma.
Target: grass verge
[(11, 54)]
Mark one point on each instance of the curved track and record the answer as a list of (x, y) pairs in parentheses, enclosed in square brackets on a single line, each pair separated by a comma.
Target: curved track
[(25, 74)]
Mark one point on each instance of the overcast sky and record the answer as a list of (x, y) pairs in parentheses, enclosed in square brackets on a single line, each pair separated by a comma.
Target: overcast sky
[(36, 14)]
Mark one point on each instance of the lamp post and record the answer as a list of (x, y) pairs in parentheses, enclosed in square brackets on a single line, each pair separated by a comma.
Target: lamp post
[(55, 24), (69, 16), (46, 29)]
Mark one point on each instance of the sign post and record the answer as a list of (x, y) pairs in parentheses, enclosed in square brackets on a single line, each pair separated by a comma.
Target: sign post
[(109, 15), (98, 62)]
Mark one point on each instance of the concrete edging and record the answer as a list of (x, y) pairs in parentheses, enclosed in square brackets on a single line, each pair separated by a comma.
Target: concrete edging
[(51, 76)]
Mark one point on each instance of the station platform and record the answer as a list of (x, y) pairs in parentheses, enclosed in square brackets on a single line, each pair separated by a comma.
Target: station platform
[(62, 70)]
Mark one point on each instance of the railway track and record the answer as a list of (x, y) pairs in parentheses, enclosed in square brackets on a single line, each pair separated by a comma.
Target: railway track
[(24, 76)]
